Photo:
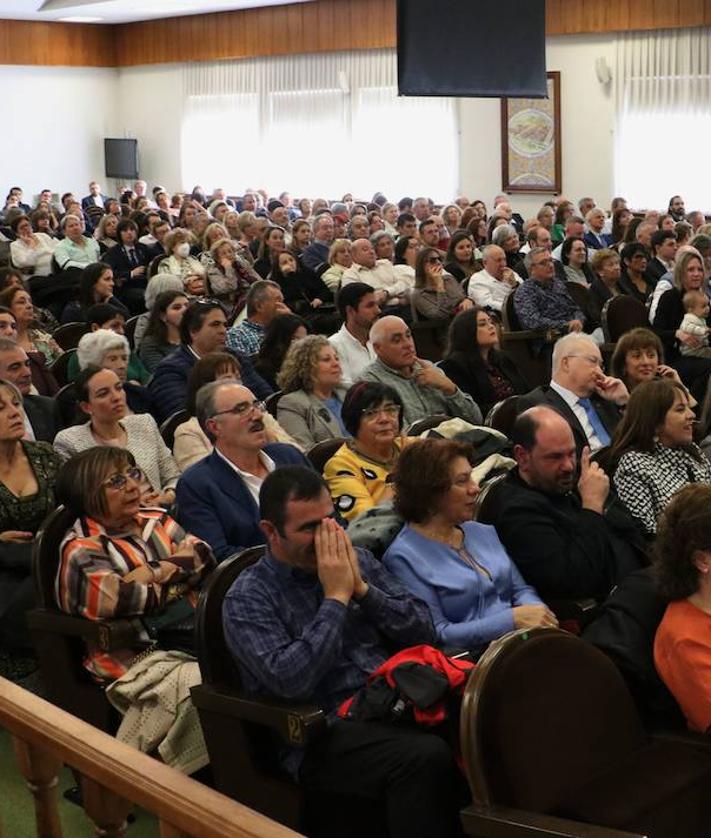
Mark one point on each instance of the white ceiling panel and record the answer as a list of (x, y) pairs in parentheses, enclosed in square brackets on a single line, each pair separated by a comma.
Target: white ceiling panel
[(122, 11)]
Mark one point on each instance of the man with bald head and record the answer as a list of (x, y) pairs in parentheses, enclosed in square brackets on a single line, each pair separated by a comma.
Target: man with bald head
[(390, 289), (218, 497), (589, 400), (424, 389), (554, 513), (490, 287)]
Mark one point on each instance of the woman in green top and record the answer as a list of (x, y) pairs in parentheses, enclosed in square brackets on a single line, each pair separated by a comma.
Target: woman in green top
[(562, 214)]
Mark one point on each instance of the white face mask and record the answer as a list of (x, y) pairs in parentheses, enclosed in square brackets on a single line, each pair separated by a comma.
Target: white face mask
[(183, 250)]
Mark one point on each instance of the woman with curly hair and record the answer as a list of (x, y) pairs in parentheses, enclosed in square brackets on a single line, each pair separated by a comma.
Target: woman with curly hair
[(310, 378), (682, 646)]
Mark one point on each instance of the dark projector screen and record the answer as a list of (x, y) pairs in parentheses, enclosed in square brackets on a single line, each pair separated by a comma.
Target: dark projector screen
[(121, 157), (471, 48)]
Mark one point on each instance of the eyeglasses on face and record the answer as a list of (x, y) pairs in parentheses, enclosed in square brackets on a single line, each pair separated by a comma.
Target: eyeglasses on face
[(242, 409), (388, 409), (433, 260), (119, 481)]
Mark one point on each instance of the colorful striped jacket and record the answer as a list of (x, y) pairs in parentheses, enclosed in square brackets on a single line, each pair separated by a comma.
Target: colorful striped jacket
[(92, 563)]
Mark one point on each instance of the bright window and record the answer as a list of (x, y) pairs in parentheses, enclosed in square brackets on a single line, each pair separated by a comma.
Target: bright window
[(317, 126)]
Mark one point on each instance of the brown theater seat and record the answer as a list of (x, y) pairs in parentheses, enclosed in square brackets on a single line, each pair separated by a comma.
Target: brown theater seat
[(553, 745)]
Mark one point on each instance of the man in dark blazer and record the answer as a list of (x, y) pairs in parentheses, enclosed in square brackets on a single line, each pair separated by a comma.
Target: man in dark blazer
[(588, 400), (663, 255), (94, 198), (203, 329), (129, 260), (564, 529), (218, 497), (42, 419)]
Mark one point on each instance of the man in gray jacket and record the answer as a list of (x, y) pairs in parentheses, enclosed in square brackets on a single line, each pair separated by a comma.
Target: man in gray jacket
[(424, 389)]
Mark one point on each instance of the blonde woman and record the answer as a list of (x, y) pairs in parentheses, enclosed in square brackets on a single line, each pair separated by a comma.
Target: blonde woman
[(339, 259), (310, 379)]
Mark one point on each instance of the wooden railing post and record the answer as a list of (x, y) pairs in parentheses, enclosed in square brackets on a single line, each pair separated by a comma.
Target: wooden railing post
[(40, 770), (116, 777), (107, 811)]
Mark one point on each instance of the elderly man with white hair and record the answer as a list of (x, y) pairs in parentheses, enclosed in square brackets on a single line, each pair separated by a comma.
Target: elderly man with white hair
[(424, 389), (596, 237), (490, 286), (391, 289), (588, 400)]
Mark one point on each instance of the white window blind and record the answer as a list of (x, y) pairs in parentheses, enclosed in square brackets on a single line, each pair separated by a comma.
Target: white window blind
[(663, 119), (316, 125)]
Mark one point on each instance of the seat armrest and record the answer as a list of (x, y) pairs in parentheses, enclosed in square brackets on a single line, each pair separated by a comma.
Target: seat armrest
[(546, 335), (505, 822), (297, 724), (107, 634)]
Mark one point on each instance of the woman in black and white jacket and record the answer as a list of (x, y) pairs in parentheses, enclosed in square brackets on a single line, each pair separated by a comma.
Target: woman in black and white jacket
[(654, 452)]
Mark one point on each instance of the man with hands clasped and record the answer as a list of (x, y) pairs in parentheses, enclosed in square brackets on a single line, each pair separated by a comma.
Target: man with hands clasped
[(588, 400), (566, 532), (309, 622)]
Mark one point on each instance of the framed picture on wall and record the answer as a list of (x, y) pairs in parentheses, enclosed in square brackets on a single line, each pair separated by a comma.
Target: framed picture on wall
[(530, 142)]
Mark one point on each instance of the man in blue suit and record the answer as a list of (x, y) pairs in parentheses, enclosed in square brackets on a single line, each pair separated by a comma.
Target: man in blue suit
[(94, 198), (203, 329), (218, 498), (595, 237)]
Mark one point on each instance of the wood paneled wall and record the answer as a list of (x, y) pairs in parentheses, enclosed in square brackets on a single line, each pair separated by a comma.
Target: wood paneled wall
[(57, 44), (319, 26), (572, 17)]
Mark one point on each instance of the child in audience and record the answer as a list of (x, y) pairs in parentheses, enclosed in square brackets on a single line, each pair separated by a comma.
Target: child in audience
[(696, 306)]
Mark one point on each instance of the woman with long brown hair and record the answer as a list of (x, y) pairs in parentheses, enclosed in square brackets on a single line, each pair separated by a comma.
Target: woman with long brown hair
[(653, 450)]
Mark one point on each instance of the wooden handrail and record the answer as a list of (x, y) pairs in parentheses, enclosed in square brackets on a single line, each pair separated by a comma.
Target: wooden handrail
[(115, 773)]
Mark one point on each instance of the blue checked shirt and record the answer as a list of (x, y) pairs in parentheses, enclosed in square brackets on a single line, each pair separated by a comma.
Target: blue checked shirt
[(292, 643), (246, 338)]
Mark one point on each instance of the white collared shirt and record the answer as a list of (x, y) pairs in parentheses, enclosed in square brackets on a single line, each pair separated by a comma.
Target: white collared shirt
[(489, 292), (572, 401), (354, 357), (251, 481)]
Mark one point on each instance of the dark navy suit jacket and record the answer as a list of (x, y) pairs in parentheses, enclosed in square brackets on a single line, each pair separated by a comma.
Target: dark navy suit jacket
[(591, 240), (169, 385), (215, 504)]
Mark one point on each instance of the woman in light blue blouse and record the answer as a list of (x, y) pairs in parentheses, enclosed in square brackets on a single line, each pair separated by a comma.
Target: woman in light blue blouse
[(458, 567)]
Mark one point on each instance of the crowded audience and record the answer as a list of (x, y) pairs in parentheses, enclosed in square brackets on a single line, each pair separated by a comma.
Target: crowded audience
[(200, 308)]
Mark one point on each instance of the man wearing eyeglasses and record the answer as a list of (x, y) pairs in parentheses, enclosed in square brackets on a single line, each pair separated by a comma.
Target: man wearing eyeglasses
[(588, 400), (218, 497), (542, 301)]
